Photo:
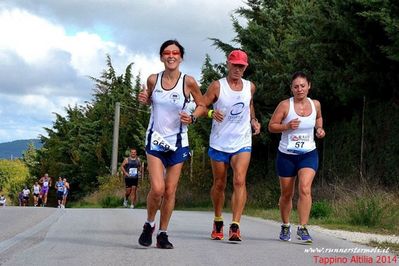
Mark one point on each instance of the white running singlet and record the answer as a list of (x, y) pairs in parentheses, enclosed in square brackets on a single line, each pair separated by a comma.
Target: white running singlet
[(234, 132), (300, 140), (36, 189), (165, 118)]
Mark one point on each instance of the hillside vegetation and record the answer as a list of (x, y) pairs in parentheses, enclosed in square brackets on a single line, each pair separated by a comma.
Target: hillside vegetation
[(350, 48)]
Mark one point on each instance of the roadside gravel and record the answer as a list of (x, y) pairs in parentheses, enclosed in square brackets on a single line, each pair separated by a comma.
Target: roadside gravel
[(358, 237)]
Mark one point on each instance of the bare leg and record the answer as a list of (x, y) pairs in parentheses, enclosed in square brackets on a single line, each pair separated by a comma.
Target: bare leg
[(133, 195), (305, 179), (219, 171), (168, 202), (128, 192), (156, 193), (239, 163), (287, 186)]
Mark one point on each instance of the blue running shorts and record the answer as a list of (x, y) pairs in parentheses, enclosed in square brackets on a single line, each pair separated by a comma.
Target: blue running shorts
[(288, 165), (225, 157), (170, 158)]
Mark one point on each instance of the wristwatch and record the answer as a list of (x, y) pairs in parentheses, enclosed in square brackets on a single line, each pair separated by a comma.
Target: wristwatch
[(193, 119)]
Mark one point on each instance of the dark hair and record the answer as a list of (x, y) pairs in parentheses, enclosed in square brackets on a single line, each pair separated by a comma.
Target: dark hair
[(300, 74), (170, 42)]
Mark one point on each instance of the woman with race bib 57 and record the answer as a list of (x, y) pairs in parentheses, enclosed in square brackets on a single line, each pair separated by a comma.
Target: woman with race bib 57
[(298, 119)]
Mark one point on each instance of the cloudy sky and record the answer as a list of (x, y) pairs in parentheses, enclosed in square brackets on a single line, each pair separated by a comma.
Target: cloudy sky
[(49, 48)]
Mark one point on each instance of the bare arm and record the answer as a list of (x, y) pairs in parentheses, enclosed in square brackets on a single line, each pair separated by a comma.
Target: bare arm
[(145, 94), (254, 121), (193, 89), (275, 123), (125, 161), (320, 133), (211, 96)]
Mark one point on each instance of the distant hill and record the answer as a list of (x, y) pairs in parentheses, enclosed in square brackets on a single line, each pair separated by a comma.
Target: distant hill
[(14, 149)]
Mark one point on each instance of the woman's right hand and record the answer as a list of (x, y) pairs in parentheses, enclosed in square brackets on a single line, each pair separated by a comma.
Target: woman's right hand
[(144, 96), (294, 123)]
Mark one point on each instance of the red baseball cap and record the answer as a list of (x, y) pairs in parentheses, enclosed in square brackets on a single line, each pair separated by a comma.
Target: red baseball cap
[(238, 57)]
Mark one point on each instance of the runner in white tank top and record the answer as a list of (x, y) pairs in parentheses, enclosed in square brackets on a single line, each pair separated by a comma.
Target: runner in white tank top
[(36, 193), (297, 158), (166, 138), (234, 132), (300, 140), (165, 114), (231, 139)]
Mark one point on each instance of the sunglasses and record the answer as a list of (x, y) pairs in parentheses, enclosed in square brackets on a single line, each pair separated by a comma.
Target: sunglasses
[(169, 52)]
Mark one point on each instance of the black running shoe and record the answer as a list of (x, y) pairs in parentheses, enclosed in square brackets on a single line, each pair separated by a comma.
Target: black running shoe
[(146, 236), (163, 242)]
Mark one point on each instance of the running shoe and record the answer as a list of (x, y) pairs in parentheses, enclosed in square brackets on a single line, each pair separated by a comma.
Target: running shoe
[(217, 232), (234, 233), (303, 234), (132, 206), (285, 234), (146, 236), (125, 203), (163, 242)]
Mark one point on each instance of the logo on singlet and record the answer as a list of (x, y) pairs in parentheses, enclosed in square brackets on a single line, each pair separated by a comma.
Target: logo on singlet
[(237, 108), (174, 98), (235, 115)]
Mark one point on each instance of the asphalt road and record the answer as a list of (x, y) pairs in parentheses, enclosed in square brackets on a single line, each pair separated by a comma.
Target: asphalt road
[(49, 236)]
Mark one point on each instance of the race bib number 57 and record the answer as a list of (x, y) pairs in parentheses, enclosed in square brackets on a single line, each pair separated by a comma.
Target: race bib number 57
[(299, 143)]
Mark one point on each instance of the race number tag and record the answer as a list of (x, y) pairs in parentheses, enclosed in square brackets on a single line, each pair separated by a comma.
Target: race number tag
[(132, 172), (158, 143), (299, 143)]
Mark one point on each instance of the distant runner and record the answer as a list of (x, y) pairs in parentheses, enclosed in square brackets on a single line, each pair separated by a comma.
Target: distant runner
[(3, 201), (36, 193), (26, 194), (131, 168), (59, 186), (46, 183), (66, 192)]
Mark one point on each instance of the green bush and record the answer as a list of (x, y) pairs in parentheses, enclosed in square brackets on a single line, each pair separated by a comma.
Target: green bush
[(111, 201), (321, 209), (367, 211), (14, 175)]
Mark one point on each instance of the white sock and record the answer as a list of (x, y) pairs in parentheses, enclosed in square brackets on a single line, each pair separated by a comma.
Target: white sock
[(160, 231), (151, 223)]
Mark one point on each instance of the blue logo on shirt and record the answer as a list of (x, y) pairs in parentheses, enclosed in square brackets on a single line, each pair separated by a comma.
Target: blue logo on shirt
[(237, 108)]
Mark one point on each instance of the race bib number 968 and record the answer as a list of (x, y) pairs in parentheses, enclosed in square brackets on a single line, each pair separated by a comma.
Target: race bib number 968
[(158, 143)]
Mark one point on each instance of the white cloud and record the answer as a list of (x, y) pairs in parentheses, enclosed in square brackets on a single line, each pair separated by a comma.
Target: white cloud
[(48, 48), (30, 36), (33, 38)]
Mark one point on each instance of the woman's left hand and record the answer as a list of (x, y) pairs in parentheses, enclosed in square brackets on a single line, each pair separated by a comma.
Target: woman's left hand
[(185, 118), (255, 126), (320, 133)]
